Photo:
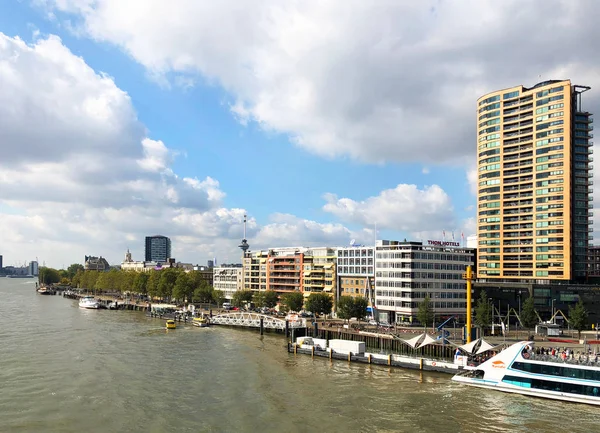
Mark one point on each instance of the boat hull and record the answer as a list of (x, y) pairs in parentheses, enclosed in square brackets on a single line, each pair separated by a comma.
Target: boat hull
[(553, 395)]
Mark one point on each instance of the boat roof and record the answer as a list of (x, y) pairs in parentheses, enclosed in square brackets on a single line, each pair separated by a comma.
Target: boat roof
[(164, 306)]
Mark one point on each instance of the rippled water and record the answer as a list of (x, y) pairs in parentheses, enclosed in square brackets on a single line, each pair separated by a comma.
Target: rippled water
[(63, 369)]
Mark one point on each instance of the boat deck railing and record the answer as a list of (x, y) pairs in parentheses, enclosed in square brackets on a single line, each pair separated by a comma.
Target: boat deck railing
[(581, 359)]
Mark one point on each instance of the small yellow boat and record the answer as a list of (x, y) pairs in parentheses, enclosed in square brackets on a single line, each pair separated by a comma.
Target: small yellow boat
[(200, 322), (171, 324)]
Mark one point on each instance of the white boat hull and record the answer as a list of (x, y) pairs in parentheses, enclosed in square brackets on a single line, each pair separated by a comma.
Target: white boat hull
[(517, 370), (524, 391)]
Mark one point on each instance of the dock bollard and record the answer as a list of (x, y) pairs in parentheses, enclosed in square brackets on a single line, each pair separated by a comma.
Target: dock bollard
[(349, 356), (390, 359), (369, 358), (421, 364), (295, 348), (331, 355), (287, 329), (313, 351)]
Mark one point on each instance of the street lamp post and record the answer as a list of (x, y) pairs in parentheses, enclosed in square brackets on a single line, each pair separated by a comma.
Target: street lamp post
[(553, 318), (491, 303)]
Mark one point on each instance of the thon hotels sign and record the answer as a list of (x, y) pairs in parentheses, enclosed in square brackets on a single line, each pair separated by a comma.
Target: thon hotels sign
[(443, 243)]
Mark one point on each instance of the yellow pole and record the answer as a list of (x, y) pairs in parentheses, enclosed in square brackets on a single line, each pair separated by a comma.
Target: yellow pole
[(469, 277)]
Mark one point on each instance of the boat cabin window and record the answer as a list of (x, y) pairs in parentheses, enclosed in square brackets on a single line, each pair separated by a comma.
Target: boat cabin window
[(571, 388), (557, 370)]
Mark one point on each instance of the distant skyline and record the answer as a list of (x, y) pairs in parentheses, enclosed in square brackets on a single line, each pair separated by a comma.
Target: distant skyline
[(120, 120)]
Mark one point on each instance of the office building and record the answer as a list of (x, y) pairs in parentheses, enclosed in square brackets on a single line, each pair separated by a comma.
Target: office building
[(356, 271), (158, 249), (228, 279), (1, 265), (407, 272), (534, 202)]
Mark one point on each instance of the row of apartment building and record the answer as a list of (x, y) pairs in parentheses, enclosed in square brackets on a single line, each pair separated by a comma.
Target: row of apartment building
[(395, 276)]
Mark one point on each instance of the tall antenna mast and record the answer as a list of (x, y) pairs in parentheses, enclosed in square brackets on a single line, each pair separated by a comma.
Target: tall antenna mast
[(244, 245)]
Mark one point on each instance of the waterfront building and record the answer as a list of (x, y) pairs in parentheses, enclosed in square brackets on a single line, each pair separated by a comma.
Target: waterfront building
[(33, 268), (407, 272), (534, 202), (92, 263), (284, 269), (594, 262), (255, 270), (158, 249), (356, 271), (1, 265), (228, 279), (472, 241), (319, 271), (291, 269), (205, 272)]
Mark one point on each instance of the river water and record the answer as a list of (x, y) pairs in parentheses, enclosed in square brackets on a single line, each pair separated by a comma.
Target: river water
[(63, 369)]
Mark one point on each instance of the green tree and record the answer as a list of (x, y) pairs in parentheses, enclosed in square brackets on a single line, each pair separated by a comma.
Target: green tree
[(166, 282), (425, 312), (319, 303), (483, 311), (140, 283), (293, 301), (528, 316), (241, 298), (578, 317), (152, 283), (359, 309), (48, 275), (77, 278), (73, 269), (345, 307), (183, 288), (271, 298), (203, 292), (258, 299), (219, 297)]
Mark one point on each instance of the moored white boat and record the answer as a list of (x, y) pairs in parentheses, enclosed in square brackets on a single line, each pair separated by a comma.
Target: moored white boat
[(88, 302), (518, 369)]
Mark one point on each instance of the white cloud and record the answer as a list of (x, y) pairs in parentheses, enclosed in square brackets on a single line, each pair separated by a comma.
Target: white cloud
[(405, 208), (289, 230), (472, 179), (79, 176), (393, 82)]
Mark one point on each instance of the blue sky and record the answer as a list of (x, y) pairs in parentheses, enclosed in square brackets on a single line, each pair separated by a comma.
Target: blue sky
[(352, 111)]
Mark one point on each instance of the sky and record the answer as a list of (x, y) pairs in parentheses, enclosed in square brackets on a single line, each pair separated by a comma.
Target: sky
[(324, 122)]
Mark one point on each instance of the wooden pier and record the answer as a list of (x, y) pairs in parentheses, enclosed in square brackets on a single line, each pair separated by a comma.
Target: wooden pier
[(383, 359), (383, 343)]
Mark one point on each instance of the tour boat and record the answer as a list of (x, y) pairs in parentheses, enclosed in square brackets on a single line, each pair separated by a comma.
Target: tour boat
[(518, 369), (88, 302), (200, 322), (45, 291), (171, 324)]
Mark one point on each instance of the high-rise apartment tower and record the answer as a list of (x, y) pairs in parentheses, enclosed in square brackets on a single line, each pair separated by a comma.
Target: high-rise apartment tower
[(534, 202)]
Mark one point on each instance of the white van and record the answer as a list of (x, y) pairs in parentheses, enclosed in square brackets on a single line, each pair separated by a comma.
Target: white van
[(227, 306)]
